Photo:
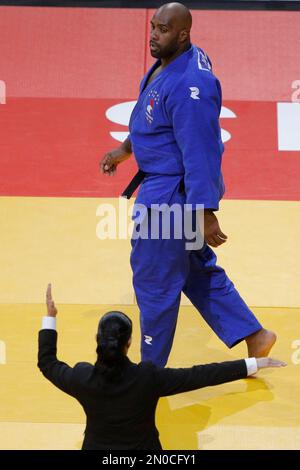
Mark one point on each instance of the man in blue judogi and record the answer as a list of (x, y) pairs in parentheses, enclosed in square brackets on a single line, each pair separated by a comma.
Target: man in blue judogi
[(176, 139)]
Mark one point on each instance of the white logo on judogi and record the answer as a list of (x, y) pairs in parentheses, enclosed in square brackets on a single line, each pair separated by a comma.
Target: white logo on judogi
[(194, 92), (148, 339)]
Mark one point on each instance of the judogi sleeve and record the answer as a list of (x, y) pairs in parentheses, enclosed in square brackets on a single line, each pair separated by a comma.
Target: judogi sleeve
[(194, 107)]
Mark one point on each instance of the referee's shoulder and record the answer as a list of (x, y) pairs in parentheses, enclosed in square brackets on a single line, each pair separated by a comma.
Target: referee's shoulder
[(146, 366), (149, 369)]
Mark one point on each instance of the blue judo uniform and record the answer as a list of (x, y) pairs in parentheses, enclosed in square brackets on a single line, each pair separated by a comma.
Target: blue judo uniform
[(176, 136)]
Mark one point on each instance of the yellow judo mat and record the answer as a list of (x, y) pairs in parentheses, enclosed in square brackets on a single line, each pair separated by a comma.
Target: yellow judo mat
[(56, 240)]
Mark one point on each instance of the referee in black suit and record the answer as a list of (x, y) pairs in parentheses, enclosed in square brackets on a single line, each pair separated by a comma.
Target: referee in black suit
[(118, 396)]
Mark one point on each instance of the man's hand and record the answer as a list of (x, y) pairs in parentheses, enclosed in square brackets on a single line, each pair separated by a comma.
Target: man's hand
[(265, 362), (51, 309), (109, 163), (213, 235)]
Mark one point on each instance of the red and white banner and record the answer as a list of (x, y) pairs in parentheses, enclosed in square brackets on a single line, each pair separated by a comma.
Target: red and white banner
[(69, 77)]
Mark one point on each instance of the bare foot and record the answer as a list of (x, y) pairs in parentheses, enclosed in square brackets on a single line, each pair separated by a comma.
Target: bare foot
[(260, 343)]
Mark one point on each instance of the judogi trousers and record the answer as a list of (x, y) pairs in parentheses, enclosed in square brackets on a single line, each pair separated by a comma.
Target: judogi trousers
[(162, 269)]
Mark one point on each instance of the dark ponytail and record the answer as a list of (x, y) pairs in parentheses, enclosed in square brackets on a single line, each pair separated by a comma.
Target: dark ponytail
[(114, 331)]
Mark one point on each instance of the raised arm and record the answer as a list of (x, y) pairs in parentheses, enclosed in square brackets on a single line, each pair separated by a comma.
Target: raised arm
[(59, 373)]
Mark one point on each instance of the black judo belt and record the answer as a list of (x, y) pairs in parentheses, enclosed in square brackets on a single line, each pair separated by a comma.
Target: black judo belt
[(136, 181), (134, 184)]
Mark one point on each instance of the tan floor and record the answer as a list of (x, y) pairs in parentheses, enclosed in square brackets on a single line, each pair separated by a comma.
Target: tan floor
[(261, 413), (55, 239)]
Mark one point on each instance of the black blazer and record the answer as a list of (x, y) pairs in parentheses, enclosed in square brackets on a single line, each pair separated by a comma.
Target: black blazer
[(121, 415)]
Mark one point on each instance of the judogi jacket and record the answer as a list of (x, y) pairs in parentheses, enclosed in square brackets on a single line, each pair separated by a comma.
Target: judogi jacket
[(175, 132)]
